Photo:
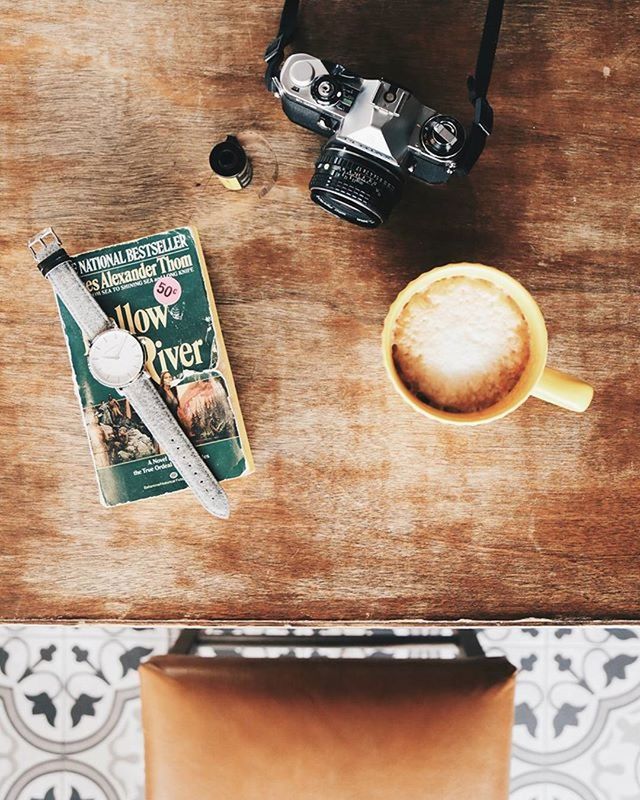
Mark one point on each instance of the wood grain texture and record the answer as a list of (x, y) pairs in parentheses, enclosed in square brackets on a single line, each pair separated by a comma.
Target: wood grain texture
[(359, 509)]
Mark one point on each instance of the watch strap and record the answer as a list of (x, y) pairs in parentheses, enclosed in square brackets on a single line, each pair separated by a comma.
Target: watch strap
[(58, 267), (165, 429), (78, 300)]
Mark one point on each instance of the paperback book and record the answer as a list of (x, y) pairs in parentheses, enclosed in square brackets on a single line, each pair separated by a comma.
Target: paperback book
[(158, 288)]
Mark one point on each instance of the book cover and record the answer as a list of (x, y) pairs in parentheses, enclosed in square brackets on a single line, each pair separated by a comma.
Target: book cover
[(158, 288)]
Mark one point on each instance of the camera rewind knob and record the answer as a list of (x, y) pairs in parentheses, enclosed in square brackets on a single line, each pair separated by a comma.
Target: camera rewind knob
[(302, 73), (442, 136)]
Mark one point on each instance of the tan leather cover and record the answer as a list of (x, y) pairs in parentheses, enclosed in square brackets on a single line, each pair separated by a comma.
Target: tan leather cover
[(296, 729)]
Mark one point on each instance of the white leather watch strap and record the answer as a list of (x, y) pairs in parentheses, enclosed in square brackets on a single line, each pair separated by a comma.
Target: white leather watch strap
[(163, 426), (78, 300), (56, 265)]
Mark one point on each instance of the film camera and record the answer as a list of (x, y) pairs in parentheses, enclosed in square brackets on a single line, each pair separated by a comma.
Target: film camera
[(379, 133)]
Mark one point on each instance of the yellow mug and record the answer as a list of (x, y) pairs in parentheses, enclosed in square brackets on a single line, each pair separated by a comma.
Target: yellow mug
[(537, 379)]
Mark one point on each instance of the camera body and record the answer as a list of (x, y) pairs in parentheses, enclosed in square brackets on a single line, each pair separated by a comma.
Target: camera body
[(379, 133)]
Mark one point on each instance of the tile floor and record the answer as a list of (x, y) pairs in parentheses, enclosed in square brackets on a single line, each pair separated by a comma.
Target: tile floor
[(70, 715)]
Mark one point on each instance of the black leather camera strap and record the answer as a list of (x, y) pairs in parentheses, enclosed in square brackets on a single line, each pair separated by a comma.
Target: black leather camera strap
[(478, 84), (274, 53)]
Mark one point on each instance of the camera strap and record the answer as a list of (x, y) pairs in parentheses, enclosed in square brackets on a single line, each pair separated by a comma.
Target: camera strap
[(477, 84), (274, 54)]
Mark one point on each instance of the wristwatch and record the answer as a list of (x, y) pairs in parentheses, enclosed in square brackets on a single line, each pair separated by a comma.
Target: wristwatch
[(116, 359)]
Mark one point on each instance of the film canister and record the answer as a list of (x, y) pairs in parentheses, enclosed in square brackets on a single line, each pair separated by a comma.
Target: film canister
[(231, 164)]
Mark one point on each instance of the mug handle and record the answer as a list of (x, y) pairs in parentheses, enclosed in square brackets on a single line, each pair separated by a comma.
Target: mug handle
[(563, 390)]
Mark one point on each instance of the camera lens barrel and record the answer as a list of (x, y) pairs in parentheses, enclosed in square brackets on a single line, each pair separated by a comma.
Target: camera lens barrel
[(350, 185)]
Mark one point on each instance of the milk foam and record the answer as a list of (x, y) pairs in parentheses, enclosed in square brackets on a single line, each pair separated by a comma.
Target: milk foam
[(461, 345)]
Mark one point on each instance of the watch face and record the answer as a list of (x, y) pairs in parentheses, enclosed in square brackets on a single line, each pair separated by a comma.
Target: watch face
[(116, 358)]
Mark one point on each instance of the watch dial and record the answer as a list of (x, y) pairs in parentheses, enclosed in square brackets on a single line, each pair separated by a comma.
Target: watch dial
[(116, 358)]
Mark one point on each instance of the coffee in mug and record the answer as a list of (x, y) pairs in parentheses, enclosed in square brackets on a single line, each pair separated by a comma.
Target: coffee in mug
[(466, 344), (461, 344)]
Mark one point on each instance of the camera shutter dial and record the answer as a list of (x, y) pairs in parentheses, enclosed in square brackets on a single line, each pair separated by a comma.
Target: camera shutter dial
[(442, 137), (326, 91)]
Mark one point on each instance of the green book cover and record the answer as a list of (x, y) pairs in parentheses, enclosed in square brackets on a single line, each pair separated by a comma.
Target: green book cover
[(157, 287)]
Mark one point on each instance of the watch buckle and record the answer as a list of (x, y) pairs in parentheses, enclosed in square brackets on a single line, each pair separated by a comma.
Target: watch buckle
[(43, 244)]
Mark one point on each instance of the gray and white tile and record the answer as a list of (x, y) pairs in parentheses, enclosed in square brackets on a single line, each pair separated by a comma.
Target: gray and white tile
[(70, 724)]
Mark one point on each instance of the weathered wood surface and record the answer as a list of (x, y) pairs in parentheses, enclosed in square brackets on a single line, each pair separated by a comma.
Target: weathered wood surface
[(359, 508)]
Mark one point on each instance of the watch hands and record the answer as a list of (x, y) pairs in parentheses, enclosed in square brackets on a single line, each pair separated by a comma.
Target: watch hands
[(124, 344)]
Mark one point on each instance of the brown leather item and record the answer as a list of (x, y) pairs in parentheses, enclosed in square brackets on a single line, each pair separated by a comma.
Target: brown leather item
[(274, 729)]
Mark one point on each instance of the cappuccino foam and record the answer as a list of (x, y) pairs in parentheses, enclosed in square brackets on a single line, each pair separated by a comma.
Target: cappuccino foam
[(461, 345)]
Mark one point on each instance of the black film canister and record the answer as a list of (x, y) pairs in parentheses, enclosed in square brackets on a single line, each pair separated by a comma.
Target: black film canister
[(231, 164)]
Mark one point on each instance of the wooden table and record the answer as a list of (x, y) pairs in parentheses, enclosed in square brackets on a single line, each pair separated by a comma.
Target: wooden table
[(359, 509)]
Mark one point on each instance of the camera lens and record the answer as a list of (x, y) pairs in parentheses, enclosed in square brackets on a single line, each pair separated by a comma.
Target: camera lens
[(351, 185)]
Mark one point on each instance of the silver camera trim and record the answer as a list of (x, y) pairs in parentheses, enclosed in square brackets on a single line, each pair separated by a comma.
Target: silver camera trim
[(390, 131)]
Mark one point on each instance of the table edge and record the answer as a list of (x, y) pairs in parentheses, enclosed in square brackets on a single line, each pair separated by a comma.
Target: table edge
[(465, 622)]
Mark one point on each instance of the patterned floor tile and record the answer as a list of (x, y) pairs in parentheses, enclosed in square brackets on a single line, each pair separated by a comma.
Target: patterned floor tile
[(611, 767), (577, 708), (70, 713), (38, 783), (32, 684)]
